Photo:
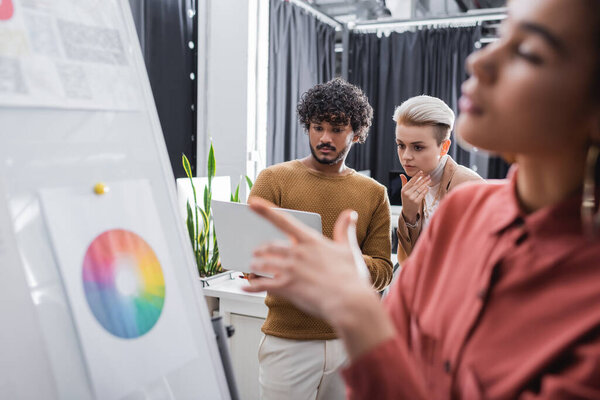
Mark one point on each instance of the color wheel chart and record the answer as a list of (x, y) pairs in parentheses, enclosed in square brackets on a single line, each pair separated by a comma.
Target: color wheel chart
[(123, 283)]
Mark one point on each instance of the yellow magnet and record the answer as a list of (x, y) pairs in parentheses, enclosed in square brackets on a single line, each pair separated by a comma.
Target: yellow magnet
[(100, 188)]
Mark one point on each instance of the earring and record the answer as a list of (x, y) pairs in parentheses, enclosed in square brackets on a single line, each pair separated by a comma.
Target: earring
[(589, 216)]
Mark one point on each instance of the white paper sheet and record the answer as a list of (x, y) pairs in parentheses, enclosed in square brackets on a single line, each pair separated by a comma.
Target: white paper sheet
[(75, 218), (65, 54), (21, 338), (6, 232)]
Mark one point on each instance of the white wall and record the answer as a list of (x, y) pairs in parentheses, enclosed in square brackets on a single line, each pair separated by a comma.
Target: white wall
[(258, 43), (231, 84), (405, 9), (400, 9)]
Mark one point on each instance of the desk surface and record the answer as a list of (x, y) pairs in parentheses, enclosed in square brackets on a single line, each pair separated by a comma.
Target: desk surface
[(231, 289)]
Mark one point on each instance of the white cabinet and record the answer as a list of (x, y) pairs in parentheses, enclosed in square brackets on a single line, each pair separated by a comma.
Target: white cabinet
[(244, 350)]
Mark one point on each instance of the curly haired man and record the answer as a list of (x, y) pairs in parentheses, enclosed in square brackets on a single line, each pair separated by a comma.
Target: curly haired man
[(299, 355)]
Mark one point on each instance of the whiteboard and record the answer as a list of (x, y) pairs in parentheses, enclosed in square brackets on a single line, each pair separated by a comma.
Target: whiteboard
[(76, 109)]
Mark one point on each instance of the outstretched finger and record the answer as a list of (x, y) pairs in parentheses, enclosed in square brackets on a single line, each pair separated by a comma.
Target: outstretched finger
[(414, 180), (271, 266), (423, 188), (404, 179), (261, 285), (293, 228), (344, 232), (274, 248), (421, 195), (425, 183)]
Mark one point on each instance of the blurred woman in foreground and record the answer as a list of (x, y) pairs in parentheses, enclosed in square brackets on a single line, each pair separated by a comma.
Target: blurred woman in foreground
[(500, 297)]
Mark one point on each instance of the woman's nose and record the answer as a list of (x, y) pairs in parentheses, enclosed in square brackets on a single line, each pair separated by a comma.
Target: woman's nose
[(482, 64)]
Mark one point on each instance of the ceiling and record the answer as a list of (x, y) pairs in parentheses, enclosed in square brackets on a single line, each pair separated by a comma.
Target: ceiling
[(368, 10)]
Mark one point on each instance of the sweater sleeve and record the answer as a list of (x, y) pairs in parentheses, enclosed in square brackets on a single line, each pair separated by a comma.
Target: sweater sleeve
[(266, 188), (376, 247)]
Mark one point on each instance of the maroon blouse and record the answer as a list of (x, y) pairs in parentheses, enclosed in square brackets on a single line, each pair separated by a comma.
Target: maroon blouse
[(492, 304)]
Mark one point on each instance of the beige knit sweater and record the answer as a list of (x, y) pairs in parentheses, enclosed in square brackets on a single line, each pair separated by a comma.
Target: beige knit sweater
[(293, 185)]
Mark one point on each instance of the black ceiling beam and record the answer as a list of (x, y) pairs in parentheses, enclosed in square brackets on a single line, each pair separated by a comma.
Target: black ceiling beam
[(461, 4)]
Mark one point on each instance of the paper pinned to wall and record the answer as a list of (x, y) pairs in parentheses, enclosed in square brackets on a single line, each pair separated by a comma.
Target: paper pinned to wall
[(21, 336), (6, 233), (122, 291), (67, 55)]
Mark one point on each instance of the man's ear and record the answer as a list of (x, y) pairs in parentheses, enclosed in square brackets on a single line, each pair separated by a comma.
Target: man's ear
[(355, 139), (445, 147)]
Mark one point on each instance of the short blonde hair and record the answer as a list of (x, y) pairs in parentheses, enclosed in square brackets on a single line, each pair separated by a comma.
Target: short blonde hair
[(426, 111)]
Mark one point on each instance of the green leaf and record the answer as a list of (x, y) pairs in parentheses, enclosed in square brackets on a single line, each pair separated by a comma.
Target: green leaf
[(216, 266), (214, 260), (190, 226), (206, 199), (213, 263), (211, 166), (188, 171), (201, 264), (206, 220), (236, 197), (249, 182), (186, 165), (202, 241), (208, 206)]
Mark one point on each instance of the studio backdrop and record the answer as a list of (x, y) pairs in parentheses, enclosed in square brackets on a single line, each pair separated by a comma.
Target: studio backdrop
[(391, 69), (301, 55), (165, 27)]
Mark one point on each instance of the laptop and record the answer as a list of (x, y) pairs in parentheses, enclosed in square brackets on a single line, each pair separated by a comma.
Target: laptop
[(240, 231)]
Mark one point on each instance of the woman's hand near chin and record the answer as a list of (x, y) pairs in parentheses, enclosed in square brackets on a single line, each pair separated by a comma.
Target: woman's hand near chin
[(323, 277), (413, 192)]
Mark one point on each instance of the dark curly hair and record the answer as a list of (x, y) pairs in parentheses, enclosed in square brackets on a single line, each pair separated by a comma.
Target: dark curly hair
[(339, 103)]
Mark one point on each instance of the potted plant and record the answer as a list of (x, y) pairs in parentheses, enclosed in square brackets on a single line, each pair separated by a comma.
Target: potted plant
[(200, 225)]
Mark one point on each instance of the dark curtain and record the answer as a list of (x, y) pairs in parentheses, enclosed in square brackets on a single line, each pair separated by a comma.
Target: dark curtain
[(391, 69), (363, 71), (301, 55), (498, 168), (165, 27)]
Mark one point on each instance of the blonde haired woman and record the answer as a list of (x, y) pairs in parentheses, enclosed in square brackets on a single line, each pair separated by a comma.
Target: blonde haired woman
[(423, 127)]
